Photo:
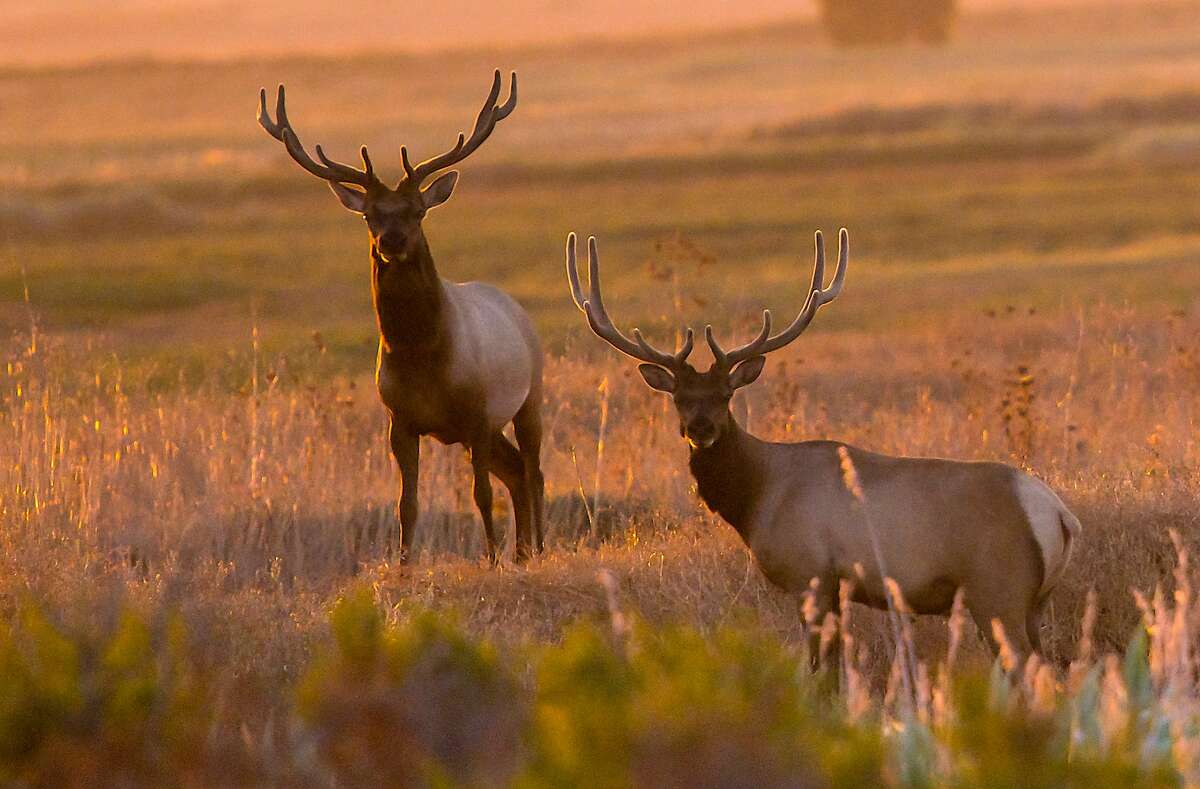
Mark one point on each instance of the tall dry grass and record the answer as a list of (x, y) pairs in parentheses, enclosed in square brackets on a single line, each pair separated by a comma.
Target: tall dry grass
[(249, 509)]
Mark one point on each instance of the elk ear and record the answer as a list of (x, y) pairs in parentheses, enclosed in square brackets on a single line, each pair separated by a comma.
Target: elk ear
[(352, 199), (747, 372), (440, 190), (657, 378)]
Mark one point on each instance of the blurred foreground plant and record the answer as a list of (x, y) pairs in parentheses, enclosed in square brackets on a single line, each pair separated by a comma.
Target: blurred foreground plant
[(422, 703), (419, 704), (677, 707), (124, 707)]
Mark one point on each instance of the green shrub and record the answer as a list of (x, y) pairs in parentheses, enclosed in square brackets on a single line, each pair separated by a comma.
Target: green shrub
[(74, 709), (995, 742), (678, 708), (421, 703)]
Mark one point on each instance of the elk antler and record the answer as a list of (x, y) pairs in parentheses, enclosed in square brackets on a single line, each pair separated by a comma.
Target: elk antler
[(602, 325), (818, 296), (281, 129), (489, 116)]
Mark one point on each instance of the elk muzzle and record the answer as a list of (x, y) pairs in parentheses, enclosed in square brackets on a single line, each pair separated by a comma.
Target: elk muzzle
[(393, 246), (700, 432)]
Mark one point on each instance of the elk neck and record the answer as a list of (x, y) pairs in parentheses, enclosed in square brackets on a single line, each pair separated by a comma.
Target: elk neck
[(728, 476), (408, 301)]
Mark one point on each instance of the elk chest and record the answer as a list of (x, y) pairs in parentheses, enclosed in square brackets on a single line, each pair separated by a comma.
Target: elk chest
[(419, 396)]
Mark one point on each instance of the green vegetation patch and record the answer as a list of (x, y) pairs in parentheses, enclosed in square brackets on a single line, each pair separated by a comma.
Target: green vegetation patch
[(614, 704)]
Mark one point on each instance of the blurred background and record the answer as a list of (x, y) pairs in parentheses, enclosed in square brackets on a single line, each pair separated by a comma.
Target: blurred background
[(1047, 152), (59, 30)]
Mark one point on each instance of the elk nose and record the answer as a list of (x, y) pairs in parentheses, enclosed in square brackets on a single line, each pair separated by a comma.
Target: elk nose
[(391, 244), (701, 432)]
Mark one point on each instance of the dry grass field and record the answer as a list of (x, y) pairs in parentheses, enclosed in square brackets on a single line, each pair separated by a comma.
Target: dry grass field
[(188, 425)]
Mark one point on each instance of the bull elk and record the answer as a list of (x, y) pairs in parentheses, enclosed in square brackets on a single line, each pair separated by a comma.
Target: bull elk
[(829, 512), (455, 361)]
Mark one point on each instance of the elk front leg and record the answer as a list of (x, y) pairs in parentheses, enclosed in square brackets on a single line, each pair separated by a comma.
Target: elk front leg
[(481, 465), (406, 448)]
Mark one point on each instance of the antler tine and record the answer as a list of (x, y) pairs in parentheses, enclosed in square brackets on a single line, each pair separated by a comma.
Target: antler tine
[(689, 340), (718, 353), (345, 171), (602, 325), (264, 118), (670, 360), (485, 123), (727, 359), (408, 168), (329, 170), (839, 274), (818, 279), (818, 294)]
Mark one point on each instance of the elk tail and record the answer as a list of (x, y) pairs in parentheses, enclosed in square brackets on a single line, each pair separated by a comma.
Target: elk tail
[(1071, 529)]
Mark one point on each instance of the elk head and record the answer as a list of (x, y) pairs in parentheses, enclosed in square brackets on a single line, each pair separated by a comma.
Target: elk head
[(393, 215), (702, 398)]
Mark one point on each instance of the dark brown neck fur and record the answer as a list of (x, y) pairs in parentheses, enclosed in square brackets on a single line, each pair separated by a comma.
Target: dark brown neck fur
[(408, 301), (726, 477)]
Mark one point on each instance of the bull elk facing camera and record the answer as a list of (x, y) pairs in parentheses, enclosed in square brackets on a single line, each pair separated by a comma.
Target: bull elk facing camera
[(456, 361), (831, 512)]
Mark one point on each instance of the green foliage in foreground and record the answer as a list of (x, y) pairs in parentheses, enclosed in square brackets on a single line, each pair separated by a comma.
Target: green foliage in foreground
[(419, 703), (423, 703), (127, 709), (675, 708)]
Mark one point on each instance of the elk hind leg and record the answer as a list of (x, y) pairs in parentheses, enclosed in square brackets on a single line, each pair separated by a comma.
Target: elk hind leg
[(1033, 627), (527, 426), (823, 597), (510, 468), (1016, 632)]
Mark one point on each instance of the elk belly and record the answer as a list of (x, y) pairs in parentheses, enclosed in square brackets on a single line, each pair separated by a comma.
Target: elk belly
[(491, 350), (912, 542)]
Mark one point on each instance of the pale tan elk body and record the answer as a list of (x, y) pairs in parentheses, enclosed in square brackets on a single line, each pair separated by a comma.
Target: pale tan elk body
[(827, 511), (456, 361)]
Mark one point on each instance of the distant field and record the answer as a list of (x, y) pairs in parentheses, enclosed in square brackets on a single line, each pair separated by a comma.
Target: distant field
[(166, 225), (69, 30)]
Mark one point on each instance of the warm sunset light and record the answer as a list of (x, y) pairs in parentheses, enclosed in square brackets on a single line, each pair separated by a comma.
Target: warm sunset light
[(554, 394)]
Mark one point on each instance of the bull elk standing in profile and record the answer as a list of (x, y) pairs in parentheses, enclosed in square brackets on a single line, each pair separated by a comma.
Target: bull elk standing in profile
[(827, 511), (456, 361)]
